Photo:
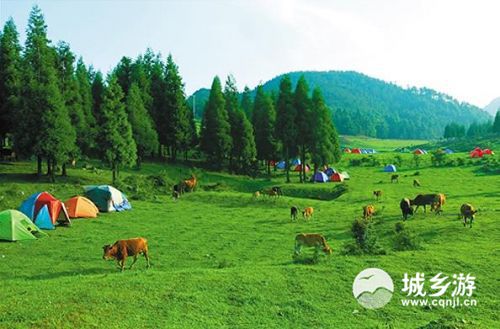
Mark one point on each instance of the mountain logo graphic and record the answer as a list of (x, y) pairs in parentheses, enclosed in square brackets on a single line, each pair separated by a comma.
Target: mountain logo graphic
[(373, 288)]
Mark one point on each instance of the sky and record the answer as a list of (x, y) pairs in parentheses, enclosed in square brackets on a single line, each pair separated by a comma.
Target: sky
[(448, 45)]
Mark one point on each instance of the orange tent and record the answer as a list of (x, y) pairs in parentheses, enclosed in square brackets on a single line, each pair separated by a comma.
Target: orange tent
[(80, 206), (336, 177), (347, 150)]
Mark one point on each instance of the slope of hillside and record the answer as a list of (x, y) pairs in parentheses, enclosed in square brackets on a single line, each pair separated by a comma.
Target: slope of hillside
[(493, 106), (362, 105)]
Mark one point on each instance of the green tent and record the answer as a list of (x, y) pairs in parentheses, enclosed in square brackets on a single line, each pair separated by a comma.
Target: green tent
[(15, 226)]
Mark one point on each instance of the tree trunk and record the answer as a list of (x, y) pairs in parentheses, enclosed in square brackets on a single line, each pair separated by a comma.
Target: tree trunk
[(39, 166), (303, 161), (287, 165), (48, 167), (52, 172), (64, 173), (268, 167), (113, 170)]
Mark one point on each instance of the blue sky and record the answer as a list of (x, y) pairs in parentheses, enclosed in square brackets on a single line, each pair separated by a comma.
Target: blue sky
[(450, 46)]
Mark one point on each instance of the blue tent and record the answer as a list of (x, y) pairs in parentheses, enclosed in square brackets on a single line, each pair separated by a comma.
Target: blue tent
[(320, 177), (448, 151), (43, 220), (330, 171), (28, 205), (390, 168), (281, 165), (370, 151), (296, 162)]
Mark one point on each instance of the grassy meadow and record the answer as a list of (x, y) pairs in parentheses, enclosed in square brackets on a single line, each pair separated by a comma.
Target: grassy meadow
[(221, 259)]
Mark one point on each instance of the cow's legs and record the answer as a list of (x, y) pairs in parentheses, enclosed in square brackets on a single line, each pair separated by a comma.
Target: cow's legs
[(135, 260), (122, 264), (298, 248)]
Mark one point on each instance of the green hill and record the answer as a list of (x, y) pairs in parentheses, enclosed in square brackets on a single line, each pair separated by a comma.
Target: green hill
[(362, 105)]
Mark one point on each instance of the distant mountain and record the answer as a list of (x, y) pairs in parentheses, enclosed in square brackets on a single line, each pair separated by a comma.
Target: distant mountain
[(362, 105), (493, 107), (197, 101)]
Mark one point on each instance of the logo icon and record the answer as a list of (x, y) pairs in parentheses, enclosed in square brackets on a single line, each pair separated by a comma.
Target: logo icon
[(373, 288)]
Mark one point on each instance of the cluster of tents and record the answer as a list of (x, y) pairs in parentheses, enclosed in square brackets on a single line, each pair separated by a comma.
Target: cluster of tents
[(359, 151), (329, 175), (295, 164), (42, 211), (479, 153)]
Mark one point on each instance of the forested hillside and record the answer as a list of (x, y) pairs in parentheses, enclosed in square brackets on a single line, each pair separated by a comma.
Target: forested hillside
[(362, 105)]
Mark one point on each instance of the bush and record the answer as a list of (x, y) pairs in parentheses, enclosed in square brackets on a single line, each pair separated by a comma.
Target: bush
[(365, 239), (405, 239)]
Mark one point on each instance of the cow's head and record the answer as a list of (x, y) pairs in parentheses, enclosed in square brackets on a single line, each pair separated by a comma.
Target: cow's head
[(109, 252)]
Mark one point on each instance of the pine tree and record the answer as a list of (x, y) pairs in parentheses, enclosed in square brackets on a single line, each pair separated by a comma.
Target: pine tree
[(10, 79), (286, 128), (303, 120), (324, 147), (145, 135), (264, 121), (46, 122), (123, 73), (246, 102), (496, 123), (243, 150), (216, 131), (116, 140), (158, 104), (176, 111), (87, 142)]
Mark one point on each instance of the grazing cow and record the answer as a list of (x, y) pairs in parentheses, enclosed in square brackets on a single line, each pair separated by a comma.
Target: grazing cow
[(256, 194), (438, 203), (293, 212), (315, 240), (278, 190), (368, 211), (406, 208), (175, 195), (467, 212), (179, 188), (121, 249), (307, 213), (271, 193), (395, 178), (416, 183), (427, 199), (377, 194), (190, 183)]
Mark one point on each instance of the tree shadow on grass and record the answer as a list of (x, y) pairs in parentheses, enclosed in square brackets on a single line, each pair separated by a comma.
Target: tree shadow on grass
[(74, 273)]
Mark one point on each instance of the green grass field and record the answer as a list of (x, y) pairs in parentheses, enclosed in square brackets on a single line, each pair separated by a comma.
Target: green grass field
[(380, 145), (221, 259)]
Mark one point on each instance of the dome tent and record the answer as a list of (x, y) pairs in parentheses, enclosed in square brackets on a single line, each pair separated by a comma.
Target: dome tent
[(80, 206), (319, 177), (330, 171), (281, 165), (56, 210), (299, 168), (16, 226), (107, 198), (390, 168), (336, 177)]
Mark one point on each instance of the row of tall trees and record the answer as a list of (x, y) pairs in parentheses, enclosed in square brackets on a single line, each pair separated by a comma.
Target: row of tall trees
[(57, 109), (292, 124), (454, 130)]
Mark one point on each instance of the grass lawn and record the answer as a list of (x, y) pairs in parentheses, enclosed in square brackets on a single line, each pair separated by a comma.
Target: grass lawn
[(221, 259)]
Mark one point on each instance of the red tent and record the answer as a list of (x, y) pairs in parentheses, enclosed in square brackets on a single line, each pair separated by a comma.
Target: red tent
[(356, 150), (418, 152), (54, 206), (477, 153), (488, 151), (299, 168), (336, 177)]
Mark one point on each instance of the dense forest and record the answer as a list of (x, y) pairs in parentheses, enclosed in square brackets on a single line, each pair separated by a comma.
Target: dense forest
[(57, 110), (362, 105)]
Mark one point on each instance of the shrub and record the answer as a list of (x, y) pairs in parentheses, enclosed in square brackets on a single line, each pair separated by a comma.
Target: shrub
[(365, 239), (405, 239)]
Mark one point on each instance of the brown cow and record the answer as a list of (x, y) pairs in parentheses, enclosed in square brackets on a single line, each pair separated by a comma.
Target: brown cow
[(307, 213), (395, 178), (377, 194), (315, 240), (467, 211), (438, 203), (191, 183), (121, 249), (416, 183), (424, 200), (368, 211), (271, 193)]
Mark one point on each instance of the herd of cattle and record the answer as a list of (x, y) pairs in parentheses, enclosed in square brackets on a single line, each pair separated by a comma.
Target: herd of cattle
[(121, 249)]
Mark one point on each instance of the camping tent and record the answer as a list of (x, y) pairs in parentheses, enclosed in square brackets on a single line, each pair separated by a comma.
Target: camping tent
[(56, 210), (299, 168), (43, 219), (488, 151), (370, 151), (107, 198), (330, 171), (336, 177), (16, 226), (80, 206), (476, 153), (347, 150), (345, 175), (320, 177), (356, 150), (419, 152), (281, 165), (296, 162), (448, 151), (390, 168)]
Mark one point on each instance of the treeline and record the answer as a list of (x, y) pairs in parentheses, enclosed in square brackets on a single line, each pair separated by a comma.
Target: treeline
[(455, 130), (57, 109)]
